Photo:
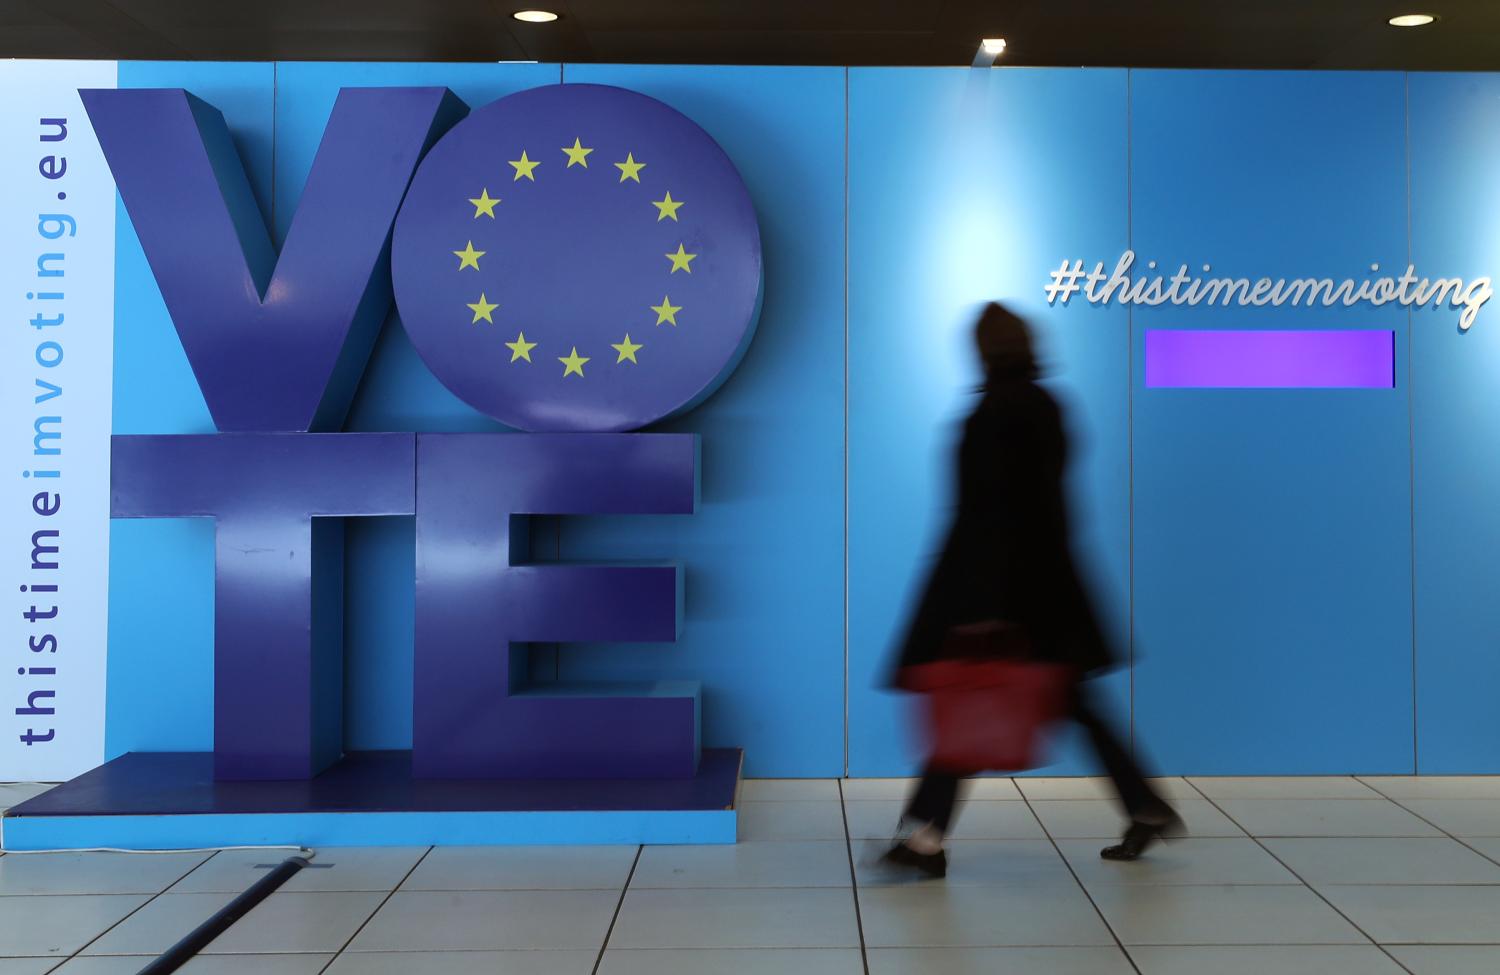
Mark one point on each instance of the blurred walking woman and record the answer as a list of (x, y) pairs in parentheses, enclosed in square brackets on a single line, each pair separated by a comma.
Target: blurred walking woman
[(1007, 568)]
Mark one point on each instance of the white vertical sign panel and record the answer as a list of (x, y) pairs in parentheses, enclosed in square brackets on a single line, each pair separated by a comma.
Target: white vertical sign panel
[(57, 296)]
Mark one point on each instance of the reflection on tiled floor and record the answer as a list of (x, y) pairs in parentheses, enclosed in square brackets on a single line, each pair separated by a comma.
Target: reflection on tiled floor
[(1306, 876)]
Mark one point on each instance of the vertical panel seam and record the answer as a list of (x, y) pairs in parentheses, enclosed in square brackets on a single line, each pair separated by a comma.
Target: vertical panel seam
[(1130, 413), (846, 422), (1411, 432)]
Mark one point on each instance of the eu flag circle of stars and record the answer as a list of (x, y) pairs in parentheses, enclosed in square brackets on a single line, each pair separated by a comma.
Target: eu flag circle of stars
[(482, 309), (578, 257)]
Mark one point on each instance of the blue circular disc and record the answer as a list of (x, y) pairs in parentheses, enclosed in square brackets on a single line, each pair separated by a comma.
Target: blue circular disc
[(578, 257)]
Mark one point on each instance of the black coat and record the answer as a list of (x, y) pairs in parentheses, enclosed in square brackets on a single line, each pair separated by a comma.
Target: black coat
[(1007, 556)]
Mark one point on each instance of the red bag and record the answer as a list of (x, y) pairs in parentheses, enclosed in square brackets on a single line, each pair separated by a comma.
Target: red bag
[(989, 715)]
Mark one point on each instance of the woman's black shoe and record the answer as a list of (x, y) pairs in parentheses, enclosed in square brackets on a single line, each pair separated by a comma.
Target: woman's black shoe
[(1139, 838), (932, 864)]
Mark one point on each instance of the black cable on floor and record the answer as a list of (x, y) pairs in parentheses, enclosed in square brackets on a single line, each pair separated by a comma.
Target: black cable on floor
[(183, 951)]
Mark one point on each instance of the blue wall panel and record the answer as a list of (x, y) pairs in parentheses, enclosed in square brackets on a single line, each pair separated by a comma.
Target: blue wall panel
[(160, 685), (1272, 528), (763, 627), (1455, 192), (964, 186), (1275, 541)]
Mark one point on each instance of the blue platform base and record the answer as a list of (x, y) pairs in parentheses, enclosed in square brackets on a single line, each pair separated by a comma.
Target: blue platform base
[(170, 800)]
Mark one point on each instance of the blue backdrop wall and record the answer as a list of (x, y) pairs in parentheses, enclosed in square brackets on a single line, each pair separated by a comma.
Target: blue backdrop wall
[(1300, 578)]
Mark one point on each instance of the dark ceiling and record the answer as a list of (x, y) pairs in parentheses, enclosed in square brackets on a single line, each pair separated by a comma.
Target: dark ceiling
[(1147, 33)]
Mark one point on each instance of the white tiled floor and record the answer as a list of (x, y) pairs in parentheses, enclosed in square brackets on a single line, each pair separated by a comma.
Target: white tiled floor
[(1306, 876)]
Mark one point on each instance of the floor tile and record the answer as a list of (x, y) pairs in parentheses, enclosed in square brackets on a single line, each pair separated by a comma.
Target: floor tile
[(489, 920), (103, 965), (1082, 787), (980, 819), (1185, 861), (973, 863), (1384, 860), (736, 919), (1422, 915), (741, 961), (579, 961), (1435, 786), (1266, 960), (980, 917), (1098, 819), (1460, 817), (15, 793), (200, 965), (93, 873), (1487, 845), (523, 868), (159, 925), (985, 819), (1324, 817), (305, 964), (334, 868), (861, 789), (999, 961), (991, 787), (59, 925), (1241, 915), (1296, 787), (769, 863), (770, 790), (1448, 959), (299, 922), (28, 966), (791, 821), (1095, 787)]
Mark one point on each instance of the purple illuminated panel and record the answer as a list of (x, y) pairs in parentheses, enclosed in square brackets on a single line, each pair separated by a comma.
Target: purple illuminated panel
[(1193, 359)]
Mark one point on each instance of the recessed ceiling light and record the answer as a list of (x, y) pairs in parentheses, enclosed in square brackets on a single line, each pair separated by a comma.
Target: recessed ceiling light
[(1412, 20), (535, 16), (993, 45)]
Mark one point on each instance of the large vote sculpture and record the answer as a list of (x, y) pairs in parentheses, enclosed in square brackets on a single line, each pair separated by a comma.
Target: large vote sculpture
[(576, 261)]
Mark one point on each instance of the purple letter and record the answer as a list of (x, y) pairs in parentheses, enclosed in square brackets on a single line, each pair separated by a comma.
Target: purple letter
[(275, 344), (474, 717), (278, 588)]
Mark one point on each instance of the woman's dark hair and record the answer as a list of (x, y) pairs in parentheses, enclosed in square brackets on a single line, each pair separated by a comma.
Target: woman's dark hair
[(1004, 343)]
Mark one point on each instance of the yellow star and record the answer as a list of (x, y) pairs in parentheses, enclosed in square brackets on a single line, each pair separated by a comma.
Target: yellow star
[(630, 169), (468, 257), (520, 348), (482, 310), (484, 204), (577, 154), (668, 207), (666, 311), (574, 363), (524, 167), (627, 349), (680, 260)]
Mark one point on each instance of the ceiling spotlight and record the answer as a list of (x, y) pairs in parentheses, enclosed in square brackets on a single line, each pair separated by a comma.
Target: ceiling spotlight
[(989, 49), (535, 16), (1412, 20)]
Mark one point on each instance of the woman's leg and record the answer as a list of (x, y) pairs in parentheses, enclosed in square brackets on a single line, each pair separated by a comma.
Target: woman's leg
[(1149, 814), (934, 801), (1136, 794), (932, 806)]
